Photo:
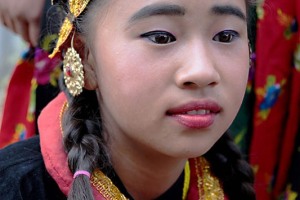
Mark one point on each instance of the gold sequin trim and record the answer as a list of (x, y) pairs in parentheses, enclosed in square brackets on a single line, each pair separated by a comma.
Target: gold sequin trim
[(209, 187), (62, 111), (105, 186)]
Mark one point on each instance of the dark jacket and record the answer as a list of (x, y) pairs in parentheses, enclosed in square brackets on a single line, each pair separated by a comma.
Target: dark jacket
[(23, 174)]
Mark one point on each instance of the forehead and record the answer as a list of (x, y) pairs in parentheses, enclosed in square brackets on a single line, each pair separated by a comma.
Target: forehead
[(114, 15), (129, 7)]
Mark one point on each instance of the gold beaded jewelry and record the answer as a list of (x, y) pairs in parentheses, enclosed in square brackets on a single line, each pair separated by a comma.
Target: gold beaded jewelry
[(76, 8), (73, 71)]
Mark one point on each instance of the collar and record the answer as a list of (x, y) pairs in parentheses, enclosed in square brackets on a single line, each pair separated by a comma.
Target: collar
[(55, 157), (53, 152)]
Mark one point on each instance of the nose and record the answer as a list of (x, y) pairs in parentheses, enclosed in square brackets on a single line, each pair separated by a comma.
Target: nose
[(198, 67)]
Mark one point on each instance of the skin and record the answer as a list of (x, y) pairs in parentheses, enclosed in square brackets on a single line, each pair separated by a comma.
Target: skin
[(138, 81), (23, 18)]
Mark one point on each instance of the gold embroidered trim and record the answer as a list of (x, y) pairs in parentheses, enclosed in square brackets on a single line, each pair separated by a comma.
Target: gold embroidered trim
[(209, 187), (62, 111), (106, 187)]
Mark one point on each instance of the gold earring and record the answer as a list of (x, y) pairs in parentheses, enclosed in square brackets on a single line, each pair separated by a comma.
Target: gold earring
[(73, 71)]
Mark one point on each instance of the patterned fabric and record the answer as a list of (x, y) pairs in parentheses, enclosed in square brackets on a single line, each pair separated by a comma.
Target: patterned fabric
[(18, 105), (292, 187), (277, 98), (33, 84), (19, 114)]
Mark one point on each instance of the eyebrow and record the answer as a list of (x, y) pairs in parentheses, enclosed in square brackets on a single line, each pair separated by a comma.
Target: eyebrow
[(228, 10), (157, 9)]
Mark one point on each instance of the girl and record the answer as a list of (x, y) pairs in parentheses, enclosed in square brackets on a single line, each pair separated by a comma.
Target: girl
[(151, 87)]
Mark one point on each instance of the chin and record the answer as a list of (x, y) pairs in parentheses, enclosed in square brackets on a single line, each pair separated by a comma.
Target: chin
[(188, 152)]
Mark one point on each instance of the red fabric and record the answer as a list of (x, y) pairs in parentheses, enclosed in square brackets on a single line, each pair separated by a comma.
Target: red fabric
[(52, 148), (276, 115), (293, 121), (16, 108), (289, 136), (193, 192), (51, 144)]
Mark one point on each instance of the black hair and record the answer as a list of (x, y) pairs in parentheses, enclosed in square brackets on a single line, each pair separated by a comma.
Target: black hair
[(236, 175), (86, 148), (83, 141)]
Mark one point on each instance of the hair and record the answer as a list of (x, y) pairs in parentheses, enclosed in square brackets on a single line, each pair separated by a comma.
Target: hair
[(86, 147), (236, 175)]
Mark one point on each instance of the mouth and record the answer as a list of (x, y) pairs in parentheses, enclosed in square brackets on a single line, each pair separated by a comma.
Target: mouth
[(198, 112), (195, 115)]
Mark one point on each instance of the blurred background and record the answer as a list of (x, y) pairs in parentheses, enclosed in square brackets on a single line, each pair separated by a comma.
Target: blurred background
[(11, 48)]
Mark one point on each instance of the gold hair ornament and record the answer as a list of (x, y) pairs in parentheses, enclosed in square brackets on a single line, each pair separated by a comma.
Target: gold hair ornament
[(76, 8), (73, 71)]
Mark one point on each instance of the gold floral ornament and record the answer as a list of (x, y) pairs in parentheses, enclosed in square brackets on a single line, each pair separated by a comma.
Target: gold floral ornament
[(76, 8), (73, 71)]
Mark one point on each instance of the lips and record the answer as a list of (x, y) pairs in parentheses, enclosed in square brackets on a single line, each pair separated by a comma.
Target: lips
[(195, 115)]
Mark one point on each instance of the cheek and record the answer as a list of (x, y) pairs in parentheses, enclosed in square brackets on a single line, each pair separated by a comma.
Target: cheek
[(125, 74), (236, 68), (237, 78)]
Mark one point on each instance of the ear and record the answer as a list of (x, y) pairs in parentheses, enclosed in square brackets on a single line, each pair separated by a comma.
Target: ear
[(90, 77)]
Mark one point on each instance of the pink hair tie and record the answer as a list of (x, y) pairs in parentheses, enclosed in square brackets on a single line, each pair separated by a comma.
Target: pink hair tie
[(82, 172)]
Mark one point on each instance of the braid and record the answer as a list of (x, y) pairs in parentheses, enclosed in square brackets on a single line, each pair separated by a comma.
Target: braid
[(83, 142), (82, 128), (235, 174)]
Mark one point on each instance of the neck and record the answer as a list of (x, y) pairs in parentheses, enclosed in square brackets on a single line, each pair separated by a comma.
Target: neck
[(139, 168)]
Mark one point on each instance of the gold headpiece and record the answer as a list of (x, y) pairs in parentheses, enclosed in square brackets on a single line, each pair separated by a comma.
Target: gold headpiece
[(76, 8)]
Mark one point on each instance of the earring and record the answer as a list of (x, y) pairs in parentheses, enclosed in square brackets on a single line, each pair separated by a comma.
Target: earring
[(73, 71)]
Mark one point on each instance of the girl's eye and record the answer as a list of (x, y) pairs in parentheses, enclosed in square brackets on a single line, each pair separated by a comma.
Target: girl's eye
[(159, 37), (225, 36)]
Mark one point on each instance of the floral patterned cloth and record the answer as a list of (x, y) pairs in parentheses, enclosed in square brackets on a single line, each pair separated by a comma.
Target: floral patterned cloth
[(33, 71), (277, 99), (33, 84)]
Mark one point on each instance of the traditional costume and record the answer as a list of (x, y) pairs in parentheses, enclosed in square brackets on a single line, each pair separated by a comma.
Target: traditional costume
[(38, 169)]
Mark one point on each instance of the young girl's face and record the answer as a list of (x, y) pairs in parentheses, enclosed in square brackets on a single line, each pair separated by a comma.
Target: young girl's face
[(171, 74)]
